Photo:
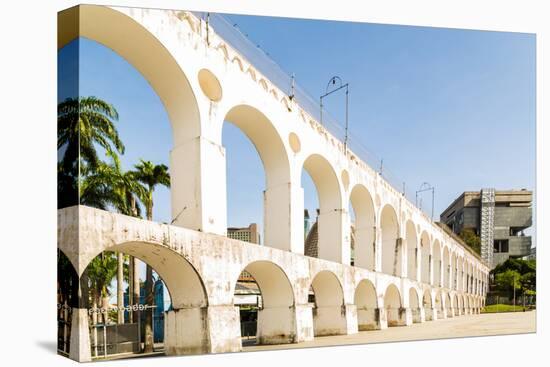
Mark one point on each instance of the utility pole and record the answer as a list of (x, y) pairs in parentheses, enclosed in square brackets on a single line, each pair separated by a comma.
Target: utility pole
[(329, 92), (426, 187)]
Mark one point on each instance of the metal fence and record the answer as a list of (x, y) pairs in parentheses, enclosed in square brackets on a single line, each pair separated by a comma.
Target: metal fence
[(64, 316), (249, 329), (114, 339)]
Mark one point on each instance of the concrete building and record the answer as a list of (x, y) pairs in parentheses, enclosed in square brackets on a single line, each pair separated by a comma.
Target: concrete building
[(532, 255), (247, 234), (406, 269), (498, 217)]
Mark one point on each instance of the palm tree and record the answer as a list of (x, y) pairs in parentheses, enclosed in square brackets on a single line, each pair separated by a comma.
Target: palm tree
[(101, 272), (150, 175), (108, 185), (81, 125), (84, 122)]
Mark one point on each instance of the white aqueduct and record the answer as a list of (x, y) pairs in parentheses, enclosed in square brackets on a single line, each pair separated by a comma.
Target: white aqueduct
[(407, 270)]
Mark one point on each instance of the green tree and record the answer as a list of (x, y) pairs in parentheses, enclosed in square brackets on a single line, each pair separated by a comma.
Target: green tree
[(82, 124), (508, 281), (471, 239), (527, 270), (150, 175), (108, 185), (101, 271)]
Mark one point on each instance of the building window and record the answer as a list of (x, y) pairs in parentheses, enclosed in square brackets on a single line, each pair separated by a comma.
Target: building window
[(501, 246), (514, 231)]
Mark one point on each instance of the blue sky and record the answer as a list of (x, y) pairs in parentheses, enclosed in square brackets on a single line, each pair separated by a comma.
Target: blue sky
[(454, 108)]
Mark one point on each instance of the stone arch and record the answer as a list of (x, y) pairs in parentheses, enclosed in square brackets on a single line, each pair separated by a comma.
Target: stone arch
[(461, 304), (185, 287), (454, 300), (328, 318), (446, 268), (425, 257), (222, 48), (390, 241), (437, 264), (366, 300), (330, 220), (414, 305), (428, 305), (67, 281), (412, 251), (131, 40), (260, 130), (439, 304), (448, 304), (236, 59), (276, 317), (148, 54), (395, 313), (183, 281), (454, 271), (460, 273), (469, 275), (365, 222)]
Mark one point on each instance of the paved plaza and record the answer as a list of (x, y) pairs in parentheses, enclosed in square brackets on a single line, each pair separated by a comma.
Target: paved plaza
[(463, 326)]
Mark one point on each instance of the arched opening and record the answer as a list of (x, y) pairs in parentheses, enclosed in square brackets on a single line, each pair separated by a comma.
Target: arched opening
[(454, 271), (446, 268), (148, 55), (460, 274), (327, 297), (449, 305), (428, 307), (177, 300), (437, 264), (67, 299), (412, 251), (414, 305), (425, 251), (368, 316), (469, 279), (363, 227), (247, 135), (395, 313), (265, 299), (439, 306), (456, 309), (328, 243), (391, 243), (461, 304)]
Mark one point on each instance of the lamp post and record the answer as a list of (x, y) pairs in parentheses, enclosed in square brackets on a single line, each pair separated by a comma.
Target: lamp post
[(328, 92), (425, 187)]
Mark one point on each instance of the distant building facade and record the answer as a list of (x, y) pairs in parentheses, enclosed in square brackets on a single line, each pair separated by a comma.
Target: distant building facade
[(532, 255), (498, 217), (158, 310), (247, 234)]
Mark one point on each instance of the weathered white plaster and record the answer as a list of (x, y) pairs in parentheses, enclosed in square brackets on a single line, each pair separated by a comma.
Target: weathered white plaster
[(398, 247)]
